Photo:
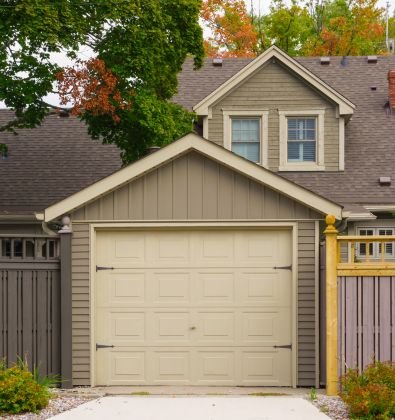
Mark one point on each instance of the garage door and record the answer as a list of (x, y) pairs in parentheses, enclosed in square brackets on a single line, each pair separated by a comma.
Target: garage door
[(197, 307)]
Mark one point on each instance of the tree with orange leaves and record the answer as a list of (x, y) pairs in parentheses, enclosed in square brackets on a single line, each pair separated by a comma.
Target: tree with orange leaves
[(347, 27), (232, 33)]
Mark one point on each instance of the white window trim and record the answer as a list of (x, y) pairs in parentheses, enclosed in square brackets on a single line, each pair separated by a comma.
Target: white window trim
[(263, 115), (319, 165)]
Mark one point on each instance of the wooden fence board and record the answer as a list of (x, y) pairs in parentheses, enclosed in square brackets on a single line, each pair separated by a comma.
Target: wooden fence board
[(366, 321)]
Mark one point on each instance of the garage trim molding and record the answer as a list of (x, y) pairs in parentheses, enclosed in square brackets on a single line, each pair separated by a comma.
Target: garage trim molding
[(143, 225), (210, 150)]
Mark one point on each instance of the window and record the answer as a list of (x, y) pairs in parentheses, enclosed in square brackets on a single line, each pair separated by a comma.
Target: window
[(302, 137), (246, 138), (302, 140), (375, 249), (246, 133)]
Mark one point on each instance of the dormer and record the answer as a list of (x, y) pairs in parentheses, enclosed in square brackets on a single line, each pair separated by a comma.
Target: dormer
[(278, 114)]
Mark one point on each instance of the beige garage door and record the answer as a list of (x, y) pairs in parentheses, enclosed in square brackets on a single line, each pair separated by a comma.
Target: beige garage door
[(203, 307)]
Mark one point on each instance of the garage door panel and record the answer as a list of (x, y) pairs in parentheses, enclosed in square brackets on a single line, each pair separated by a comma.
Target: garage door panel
[(215, 327), (171, 286), (170, 367), (265, 368), (216, 286), (168, 249), (266, 328), (215, 367), (120, 289), (121, 327), (266, 287), (169, 327), (213, 250)]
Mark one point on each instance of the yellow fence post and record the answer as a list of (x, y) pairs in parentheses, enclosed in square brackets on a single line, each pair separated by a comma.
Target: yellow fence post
[(331, 306)]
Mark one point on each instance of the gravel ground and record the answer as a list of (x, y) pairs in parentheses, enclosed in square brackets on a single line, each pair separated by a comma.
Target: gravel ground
[(61, 402), (333, 407)]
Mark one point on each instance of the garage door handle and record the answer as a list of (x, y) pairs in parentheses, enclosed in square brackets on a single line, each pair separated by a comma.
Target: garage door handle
[(286, 346), (192, 328)]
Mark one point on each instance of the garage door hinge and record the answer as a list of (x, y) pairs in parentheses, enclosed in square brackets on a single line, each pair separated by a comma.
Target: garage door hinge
[(285, 267), (103, 346), (98, 268), (285, 346)]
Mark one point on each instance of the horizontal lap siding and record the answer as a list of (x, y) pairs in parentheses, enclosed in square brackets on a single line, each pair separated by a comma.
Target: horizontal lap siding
[(273, 88), (307, 310), (80, 305)]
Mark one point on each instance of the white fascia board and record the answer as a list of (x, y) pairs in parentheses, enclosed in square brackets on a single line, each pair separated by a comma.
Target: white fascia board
[(381, 208), (212, 151), (346, 107), (358, 216)]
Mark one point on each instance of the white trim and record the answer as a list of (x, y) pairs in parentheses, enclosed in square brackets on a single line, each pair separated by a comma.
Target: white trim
[(341, 144), (94, 228), (263, 116), (345, 106), (319, 165), (211, 151), (294, 326), (205, 127), (92, 303), (351, 216), (378, 208)]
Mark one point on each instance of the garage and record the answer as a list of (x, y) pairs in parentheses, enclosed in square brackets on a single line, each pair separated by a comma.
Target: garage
[(208, 306)]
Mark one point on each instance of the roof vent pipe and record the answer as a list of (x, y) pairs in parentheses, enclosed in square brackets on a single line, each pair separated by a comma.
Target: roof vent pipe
[(325, 61), (385, 180), (217, 62), (372, 59)]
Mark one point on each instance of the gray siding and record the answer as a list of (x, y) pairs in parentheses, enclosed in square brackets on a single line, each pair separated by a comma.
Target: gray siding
[(21, 228), (194, 187), (307, 305), (80, 305), (273, 88)]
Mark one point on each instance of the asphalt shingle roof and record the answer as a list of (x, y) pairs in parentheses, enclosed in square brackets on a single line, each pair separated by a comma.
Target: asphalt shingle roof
[(59, 158), (50, 162)]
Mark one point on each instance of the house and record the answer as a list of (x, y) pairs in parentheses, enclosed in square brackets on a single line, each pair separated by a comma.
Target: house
[(199, 263)]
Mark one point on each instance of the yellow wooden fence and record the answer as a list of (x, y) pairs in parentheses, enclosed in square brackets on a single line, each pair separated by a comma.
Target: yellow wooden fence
[(344, 257)]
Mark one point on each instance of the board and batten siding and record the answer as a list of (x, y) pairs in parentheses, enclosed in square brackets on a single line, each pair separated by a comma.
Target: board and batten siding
[(193, 187), (275, 88)]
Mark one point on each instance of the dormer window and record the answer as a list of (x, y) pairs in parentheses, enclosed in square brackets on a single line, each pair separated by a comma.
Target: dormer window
[(246, 133), (302, 140), (246, 140)]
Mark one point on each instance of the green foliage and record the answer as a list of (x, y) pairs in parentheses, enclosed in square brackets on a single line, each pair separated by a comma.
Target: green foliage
[(143, 43), (151, 122), (371, 394), (21, 390), (313, 394)]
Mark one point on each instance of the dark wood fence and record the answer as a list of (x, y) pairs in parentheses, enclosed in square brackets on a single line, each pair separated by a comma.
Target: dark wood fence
[(366, 320), (30, 301)]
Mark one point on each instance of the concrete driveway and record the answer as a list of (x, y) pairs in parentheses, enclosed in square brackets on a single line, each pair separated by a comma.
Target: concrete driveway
[(195, 408)]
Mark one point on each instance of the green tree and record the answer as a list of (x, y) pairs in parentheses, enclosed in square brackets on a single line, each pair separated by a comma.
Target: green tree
[(287, 26), (123, 92)]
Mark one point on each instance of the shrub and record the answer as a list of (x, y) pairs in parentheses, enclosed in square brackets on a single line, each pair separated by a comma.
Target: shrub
[(371, 394), (22, 390)]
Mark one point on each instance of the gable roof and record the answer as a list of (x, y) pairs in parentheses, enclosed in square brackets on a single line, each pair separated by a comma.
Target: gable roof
[(346, 107), (210, 150)]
